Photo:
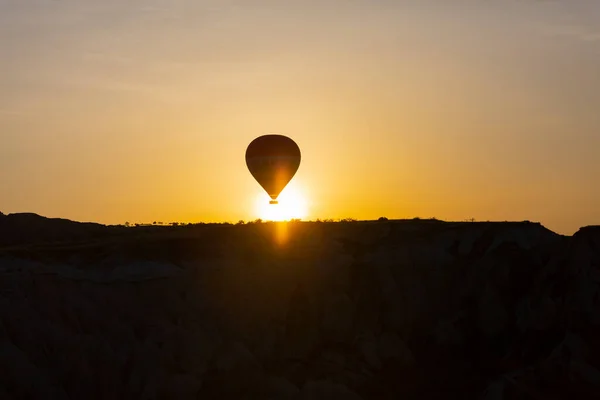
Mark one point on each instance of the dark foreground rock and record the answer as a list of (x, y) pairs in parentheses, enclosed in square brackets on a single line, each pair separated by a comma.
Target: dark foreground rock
[(359, 310)]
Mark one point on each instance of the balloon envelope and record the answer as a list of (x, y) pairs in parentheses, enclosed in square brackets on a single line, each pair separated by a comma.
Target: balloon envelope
[(273, 161)]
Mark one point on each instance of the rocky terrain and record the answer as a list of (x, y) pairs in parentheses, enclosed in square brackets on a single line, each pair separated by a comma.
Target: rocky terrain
[(305, 310)]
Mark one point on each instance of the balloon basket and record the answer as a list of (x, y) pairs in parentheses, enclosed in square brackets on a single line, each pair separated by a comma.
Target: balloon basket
[(273, 202)]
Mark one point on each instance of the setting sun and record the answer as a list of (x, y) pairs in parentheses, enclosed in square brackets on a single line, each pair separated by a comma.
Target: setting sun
[(292, 204)]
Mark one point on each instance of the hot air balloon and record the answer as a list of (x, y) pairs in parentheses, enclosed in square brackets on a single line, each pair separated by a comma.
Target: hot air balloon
[(273, 161)]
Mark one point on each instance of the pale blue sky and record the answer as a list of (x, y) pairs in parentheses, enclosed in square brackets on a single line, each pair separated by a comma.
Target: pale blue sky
[(141, 110)]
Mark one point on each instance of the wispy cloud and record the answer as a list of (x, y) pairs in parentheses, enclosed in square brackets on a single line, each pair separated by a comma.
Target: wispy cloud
[(578, 20), (577, 32), (10, 113)]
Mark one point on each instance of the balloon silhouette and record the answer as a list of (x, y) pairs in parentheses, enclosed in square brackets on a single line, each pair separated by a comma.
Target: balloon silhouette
[(273, 161)]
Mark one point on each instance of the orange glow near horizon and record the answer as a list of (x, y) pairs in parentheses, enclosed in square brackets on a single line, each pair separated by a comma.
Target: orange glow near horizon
[(292, 204), (282, 234)]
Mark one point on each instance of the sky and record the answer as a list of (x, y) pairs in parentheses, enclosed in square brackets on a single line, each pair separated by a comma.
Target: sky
[(141, 111)]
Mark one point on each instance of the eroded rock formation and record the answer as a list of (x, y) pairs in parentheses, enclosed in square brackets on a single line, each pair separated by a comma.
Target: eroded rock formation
[(383, 310)]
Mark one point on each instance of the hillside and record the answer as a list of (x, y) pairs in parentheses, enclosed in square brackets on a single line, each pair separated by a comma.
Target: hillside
[(26, 228), (305, 310)]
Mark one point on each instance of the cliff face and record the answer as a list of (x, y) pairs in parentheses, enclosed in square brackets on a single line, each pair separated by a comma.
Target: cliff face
[(306, 311)]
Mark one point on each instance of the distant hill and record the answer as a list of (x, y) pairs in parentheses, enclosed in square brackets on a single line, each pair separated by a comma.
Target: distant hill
[(29, 228), (26, 228)]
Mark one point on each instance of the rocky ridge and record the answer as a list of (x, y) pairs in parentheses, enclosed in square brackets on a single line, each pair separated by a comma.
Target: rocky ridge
[(357, 310)]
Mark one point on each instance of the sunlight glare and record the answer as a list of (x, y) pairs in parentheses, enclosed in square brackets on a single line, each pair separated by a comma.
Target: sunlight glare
[(292, 204)]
